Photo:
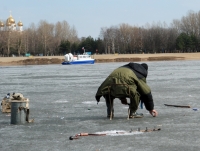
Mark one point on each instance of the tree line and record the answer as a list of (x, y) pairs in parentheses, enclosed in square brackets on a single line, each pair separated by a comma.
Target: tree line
[(58, 39)]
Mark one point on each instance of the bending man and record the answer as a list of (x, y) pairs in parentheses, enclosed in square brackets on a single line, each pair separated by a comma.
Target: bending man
[(128, 81)]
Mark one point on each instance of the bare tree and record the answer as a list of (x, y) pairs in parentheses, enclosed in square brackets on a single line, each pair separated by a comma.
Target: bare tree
[(171, 43), (104, 36), (125, 36), (198, 24), (3, 43), (73, 35), (176, 24), (45, 31), (63, 32), (32, 32)]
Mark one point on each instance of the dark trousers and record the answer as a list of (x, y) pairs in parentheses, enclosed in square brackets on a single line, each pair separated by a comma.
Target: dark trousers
[(109, 104), (110, 107)]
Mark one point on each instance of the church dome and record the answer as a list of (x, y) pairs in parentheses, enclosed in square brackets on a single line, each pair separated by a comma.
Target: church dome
[(20, 23), (10, 20), (1, 24)]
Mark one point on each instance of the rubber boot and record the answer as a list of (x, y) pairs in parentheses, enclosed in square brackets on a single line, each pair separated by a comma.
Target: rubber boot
[(135, 114)]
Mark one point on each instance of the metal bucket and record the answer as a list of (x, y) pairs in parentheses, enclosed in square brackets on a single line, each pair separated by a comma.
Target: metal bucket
[(18, 112)]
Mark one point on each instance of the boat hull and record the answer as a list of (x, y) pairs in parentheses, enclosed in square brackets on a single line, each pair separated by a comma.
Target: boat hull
[(79, 62)]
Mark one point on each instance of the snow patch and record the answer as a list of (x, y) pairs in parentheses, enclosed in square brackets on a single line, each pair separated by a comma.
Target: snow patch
[(90, 102), (60, 101), (119, 132)]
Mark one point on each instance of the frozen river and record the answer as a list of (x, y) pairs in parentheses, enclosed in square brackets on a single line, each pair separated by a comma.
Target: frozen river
[(62, 102)]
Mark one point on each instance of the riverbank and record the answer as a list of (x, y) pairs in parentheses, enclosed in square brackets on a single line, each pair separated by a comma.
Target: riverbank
[(40, 60)]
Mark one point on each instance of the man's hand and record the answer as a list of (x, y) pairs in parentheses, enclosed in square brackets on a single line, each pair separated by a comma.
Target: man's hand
[(124, 101), (154, 113)]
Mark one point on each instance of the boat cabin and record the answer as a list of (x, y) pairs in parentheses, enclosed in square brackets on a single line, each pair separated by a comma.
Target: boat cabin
[(83, 57)]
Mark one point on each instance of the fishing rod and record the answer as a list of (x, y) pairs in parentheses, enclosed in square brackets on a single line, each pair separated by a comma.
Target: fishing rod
[(182, 106), (84, 134), (77, 136)]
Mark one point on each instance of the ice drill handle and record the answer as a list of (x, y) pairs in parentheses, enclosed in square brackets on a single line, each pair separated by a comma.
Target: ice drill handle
[(83, 134)]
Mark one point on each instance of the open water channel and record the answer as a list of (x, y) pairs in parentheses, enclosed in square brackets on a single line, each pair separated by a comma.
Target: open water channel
[(62, 103)]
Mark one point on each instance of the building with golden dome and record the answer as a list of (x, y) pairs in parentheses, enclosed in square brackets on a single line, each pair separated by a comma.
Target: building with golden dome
[(1, 25), (11, 33), (10, 25)]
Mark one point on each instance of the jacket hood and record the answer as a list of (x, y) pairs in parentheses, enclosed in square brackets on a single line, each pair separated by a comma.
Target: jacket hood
[(140, 68)]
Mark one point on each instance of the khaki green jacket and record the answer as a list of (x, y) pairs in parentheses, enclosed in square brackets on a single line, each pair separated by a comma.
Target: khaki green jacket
[(123, 82)]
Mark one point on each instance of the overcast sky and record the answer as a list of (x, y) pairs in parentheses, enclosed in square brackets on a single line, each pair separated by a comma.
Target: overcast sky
[(89, 16)]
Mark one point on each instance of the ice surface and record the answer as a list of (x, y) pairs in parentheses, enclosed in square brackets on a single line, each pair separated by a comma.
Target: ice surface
[(62, 102)]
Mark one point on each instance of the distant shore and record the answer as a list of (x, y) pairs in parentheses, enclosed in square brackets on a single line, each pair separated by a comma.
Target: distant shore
[(39, 60)]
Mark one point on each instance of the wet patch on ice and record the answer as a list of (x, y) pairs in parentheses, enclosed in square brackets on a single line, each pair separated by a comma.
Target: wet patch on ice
[(119, 132)]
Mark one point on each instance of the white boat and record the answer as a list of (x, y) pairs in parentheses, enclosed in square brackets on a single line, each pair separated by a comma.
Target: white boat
[(79, 59)]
